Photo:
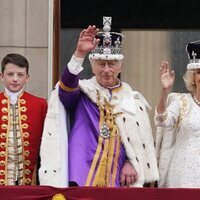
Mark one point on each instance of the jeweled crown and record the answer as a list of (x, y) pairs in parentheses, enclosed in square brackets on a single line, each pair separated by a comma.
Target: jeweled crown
[(193, 51), (110, 44)]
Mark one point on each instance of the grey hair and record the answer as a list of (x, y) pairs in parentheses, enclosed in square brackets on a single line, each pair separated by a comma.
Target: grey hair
[(93, 60), (189, 80)]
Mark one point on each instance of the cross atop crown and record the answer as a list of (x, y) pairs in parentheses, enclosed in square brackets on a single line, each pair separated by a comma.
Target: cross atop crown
[(194, 55), (107, 21)]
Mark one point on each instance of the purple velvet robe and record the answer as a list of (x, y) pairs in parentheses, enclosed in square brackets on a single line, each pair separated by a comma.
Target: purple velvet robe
[(83, 137)]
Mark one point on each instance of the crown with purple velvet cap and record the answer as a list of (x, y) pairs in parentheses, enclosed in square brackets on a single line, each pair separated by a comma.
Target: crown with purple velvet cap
[(110, 44)]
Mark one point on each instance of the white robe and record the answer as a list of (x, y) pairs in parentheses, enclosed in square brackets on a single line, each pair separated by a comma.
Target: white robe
[(138, 139)]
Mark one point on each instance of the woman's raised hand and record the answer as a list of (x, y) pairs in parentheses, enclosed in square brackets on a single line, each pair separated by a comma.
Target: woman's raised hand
[(167, 77)]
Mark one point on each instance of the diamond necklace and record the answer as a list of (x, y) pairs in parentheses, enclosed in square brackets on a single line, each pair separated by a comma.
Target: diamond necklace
[(196, 100)]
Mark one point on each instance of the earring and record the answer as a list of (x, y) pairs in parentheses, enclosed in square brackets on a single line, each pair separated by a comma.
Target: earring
[(193, 83)]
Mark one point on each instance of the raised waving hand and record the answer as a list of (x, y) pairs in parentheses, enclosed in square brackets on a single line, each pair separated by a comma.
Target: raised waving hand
[(167, 77), (86, 41)]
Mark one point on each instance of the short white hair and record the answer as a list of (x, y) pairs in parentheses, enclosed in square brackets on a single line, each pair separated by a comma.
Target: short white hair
[(189, 80)]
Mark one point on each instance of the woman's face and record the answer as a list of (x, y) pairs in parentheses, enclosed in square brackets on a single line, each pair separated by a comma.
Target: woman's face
[(197, 79)]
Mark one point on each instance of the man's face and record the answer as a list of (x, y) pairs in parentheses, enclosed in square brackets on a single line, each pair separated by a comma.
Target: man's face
[(106, 71), (14, 77)]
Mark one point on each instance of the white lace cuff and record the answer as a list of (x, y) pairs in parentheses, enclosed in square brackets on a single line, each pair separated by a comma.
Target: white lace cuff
[(75, 65), (160, 117)]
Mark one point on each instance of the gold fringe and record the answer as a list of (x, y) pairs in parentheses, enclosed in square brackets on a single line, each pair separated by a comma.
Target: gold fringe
[(115, 163), (110, 154), (112, 126), (99, 179), (104, 175), (98, 150), (94, 162)]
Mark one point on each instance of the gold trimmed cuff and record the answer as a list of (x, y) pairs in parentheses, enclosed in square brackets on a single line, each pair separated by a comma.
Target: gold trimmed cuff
[(68, 89)]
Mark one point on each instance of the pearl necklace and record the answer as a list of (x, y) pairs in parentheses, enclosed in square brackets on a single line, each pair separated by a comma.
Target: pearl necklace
[(196, 100)]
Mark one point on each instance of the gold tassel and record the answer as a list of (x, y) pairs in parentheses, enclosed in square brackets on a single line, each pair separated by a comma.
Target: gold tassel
[(103, 176)]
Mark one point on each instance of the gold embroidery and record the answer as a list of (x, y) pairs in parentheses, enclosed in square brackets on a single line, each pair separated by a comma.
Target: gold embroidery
[(25, 126), (2, 172), (4, 110), (26, 143), (27, 162), (2, 144), (26, 135), (68, 89), (24, 117), (26, 153), (22, 101), (4, 118), (184, 106), (2, 153), (23, 109), (27, 171), (4, 126), (2, 163), (4, 101), (3, 135), (28, 181), (2, 182)]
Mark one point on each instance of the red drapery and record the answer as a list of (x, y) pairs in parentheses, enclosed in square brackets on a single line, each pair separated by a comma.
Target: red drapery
[(95, 193)]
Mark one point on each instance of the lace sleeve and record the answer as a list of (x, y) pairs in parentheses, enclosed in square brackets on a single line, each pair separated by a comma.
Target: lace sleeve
[(170, 116)]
